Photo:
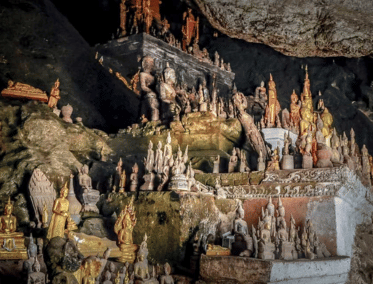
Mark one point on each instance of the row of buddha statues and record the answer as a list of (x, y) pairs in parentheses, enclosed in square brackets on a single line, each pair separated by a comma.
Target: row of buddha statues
[(164, 100), (272, 238), (143, 16)]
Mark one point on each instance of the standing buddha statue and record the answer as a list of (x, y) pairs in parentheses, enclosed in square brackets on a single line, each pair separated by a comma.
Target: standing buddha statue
[(295, 111), (55, 95), (273, 107)]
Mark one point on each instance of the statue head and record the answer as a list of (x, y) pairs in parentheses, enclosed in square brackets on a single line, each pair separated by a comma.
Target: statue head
[(8, 208), (167, 269), (148, 64), (64, 191), (135, 168), (57, 83), (240, 212), (85, 170), (262, 84), (159, 145), (294, 97), (169, 75)]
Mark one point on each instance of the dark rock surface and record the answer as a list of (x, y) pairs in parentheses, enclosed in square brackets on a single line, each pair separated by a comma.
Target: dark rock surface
[(297, 28), (39, 45)]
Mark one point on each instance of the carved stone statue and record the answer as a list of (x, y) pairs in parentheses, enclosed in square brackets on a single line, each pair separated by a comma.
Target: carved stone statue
[(216, 168), (273, 107), (150, 101), (55, 95), (159, 158), (90, 195), (141, 268), (66, 113), (216, 59), (36, 277), (287, 162), (167, 93), (233, 161), (244, 167), (41, 193), (134, 177)]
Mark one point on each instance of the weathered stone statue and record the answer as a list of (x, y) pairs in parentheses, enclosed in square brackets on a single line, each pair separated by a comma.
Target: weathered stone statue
[(167, 93), (266, 249), (287, 162), (307, 162), (90, 195), (233, 161), (66, 113), (41, 193), (167, 278), (216, 168), (216, 59), (141, 268), (55, 95), (123, 228), (12, 242), (273, 107), (244, 167), (122, 182), (134, 177), (36, 277), (61, 216), (159, 158), (118, 173), (150, 102)]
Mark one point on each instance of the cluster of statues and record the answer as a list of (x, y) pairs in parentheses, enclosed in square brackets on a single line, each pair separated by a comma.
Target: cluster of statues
[(164, 100), (238, 162), (162, 167), (272, 239)]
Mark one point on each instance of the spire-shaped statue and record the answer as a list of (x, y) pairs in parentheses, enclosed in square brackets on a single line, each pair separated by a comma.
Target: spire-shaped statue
[(273, 107)]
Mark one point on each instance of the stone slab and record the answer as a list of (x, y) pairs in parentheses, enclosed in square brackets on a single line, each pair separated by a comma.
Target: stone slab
[(122, 55), (275, 137), (233, 269)]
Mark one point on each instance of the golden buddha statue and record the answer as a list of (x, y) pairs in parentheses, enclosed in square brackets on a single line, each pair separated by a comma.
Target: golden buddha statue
[(306, 96), (60, 216), (295, 110), (307, 121), (55, 95), (273, 107), (124, 228), (327, 119), (23, 91), (122, 182), (11, 242)]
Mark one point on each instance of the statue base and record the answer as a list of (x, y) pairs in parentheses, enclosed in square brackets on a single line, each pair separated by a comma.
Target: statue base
[(13, 246), (307, 162), (178, 182), (287, 251), (128, 253), (266, 251), (287, 162)]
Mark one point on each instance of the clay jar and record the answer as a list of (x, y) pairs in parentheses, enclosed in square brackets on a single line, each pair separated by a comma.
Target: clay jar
[(324, 154)]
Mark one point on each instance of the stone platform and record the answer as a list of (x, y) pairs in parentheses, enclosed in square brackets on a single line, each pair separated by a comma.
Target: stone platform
[(234, 269), (122, 55)]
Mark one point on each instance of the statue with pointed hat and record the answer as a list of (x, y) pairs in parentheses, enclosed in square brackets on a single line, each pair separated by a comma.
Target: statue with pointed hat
[(273, 106)]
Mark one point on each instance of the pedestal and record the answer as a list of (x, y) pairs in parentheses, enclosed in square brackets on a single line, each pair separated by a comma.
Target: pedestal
[(128, 253), (287, 162), (178, 182), (13, 246), (90, 200)]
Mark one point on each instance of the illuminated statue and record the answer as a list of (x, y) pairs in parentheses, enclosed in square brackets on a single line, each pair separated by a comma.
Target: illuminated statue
[(123, 17), (123, 228), (167, 93), (295, 111), (190, 28), (60, 215), (55, 95), (273, 107), (327, 119)]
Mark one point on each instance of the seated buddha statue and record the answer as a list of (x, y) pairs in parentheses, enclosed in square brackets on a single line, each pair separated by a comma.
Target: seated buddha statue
[(306, 121), (11, 242)]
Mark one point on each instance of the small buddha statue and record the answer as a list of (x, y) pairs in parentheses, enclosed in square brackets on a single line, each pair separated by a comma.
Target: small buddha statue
[(327, 119), (141, 268), (36, 277), (122, 182), (167, 92), (8, 221), (273, 107), (233, 161), (240, 225), (295, 110), (167, 278), (134, 177), (54, 95), (158, 158), (274, 164), (90, 195)]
